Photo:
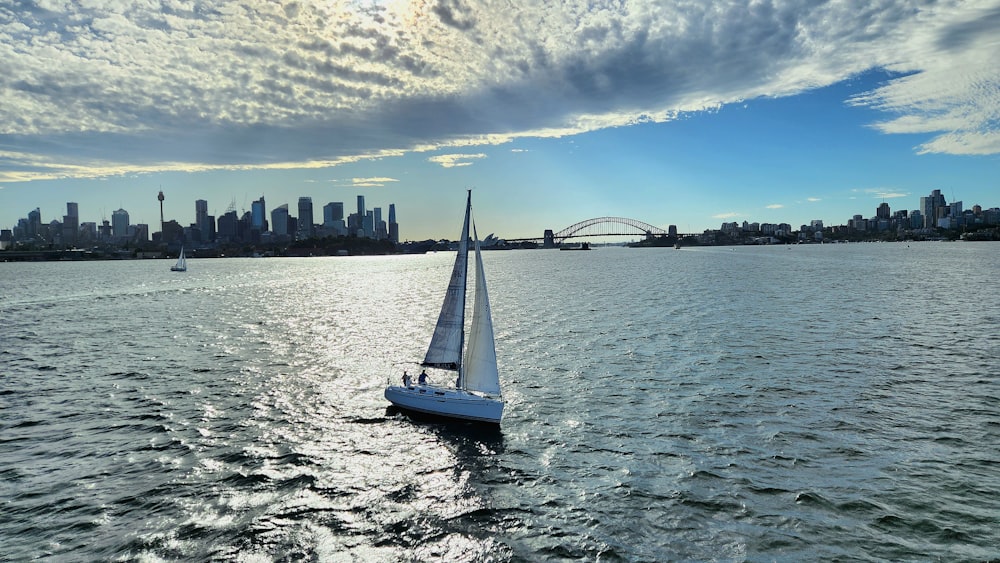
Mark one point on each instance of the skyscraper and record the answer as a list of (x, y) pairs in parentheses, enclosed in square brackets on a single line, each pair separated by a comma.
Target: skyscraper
[(305, 217), (333, 211), (119, 224), (140, 232), (258, 220), (279, 220), (34, 223), (368, 225), (393, 226), (201, 220), (333, 219), (378, 226), (71, 224), (228, 230), (354, 227), (930, 207)]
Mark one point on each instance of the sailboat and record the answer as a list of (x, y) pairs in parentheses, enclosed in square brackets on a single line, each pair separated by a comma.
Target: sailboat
[(181, 265), (476, 395)]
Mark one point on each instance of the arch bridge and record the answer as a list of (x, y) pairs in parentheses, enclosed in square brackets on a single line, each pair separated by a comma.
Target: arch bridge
[(599, 227), (607, 226)]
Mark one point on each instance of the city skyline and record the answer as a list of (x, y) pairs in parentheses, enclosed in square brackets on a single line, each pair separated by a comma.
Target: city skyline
[(933, 211), (689, 114)]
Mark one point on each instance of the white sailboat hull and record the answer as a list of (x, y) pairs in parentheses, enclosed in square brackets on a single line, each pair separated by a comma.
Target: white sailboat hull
[(451, 403)]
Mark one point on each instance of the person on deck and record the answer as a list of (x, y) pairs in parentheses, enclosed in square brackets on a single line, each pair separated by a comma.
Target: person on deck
[(407, 380), (422, 379)]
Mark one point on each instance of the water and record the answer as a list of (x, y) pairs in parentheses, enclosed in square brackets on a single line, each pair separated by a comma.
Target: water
[(835, 402)]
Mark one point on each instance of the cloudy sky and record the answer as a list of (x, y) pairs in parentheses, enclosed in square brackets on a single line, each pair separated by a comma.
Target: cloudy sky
[(670, 112)]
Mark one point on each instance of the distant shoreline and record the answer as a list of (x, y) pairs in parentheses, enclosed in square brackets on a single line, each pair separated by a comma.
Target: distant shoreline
[(79, 255)]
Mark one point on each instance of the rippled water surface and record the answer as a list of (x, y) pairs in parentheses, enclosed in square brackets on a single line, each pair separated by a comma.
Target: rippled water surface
[(835, 402)]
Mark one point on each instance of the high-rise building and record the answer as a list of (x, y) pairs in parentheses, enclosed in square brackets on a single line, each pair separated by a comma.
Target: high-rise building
[(88, 232), (354, 226), (378, 226), (333, 219), (361, 206), (228, 230), (52, 229), (393, 226), (368, 224), (139, 232), (202, 221), (930, 208), (883, 211), (279, 220), (34, 223), (71, 224), (172, 233), (305, 217), (104, 231), (258, 216), (119, 224), (332, 212)]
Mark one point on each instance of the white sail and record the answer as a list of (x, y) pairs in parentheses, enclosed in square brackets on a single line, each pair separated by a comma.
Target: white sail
[(445, 350), (480, 370), (181, 264)]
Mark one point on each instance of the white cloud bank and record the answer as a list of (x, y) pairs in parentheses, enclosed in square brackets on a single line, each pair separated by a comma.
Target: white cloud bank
[(453, 160), (106, 87)]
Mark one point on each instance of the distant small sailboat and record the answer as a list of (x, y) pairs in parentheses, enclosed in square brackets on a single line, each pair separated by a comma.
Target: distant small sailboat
[(181, 265), (476, 395)]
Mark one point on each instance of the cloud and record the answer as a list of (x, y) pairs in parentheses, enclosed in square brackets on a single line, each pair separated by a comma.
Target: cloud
[(878, 193), (729, 215), (885, 193), (813, 199), (91, 89), (453, 160), (775, 206), (371, 182), (952, 89)]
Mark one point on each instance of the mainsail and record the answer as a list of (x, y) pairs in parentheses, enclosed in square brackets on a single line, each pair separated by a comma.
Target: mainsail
[(445, 350), (480, 373)]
